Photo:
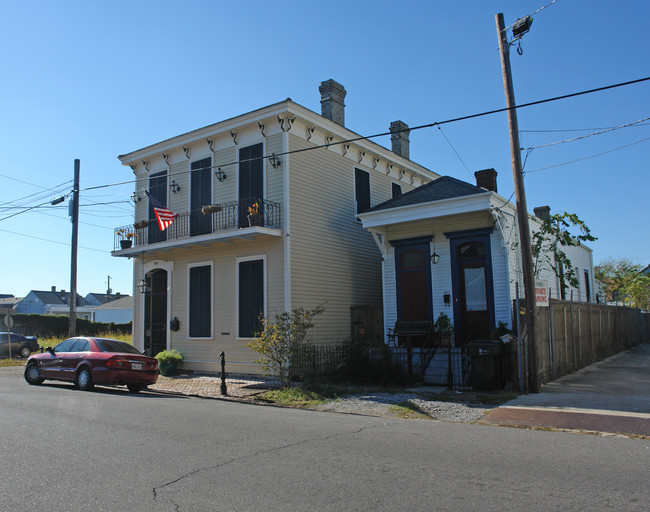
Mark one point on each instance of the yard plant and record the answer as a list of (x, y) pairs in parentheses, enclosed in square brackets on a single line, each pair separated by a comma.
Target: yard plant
[(282, 339)]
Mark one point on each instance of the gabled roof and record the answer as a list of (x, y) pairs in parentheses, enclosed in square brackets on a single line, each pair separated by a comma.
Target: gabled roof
[(101, 297), (122, 303), (55, 297), (444, 187)]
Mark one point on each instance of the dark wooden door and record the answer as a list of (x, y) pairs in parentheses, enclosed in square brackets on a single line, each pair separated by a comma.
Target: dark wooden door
[(155, 321), (474, 301), (200, 195), (251, 181)]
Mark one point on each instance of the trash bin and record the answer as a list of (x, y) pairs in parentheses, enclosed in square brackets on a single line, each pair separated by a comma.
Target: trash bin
[(487, 363)]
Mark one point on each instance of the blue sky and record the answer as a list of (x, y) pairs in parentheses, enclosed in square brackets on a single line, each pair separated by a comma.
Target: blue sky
[(93, 80)]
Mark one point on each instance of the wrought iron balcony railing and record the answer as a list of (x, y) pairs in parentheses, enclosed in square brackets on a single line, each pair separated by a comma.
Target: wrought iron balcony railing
[(213, 218)]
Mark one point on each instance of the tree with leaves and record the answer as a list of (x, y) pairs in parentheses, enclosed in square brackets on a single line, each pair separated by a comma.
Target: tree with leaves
[(624, 282), (556, 232), (281, 340)]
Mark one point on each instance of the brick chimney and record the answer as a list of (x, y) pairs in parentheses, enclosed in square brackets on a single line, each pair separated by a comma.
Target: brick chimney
[(332, 95), (542, 212), (487, 179), (54, 289), (399, 138), (118, 295)]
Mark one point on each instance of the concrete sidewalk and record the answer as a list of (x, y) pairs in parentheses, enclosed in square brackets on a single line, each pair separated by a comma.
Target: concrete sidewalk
[(609, 396)]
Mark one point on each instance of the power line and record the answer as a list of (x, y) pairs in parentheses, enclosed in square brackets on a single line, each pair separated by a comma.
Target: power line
[(454, 150), (577, 129), (589, 157), (52, 241), (383, 134), (532, 13)]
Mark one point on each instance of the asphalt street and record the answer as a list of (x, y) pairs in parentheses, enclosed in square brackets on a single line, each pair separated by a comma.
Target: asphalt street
[(107, 450)]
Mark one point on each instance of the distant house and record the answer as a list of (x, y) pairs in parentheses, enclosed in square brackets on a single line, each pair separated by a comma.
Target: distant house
[(119, 311), (97, 299), (8, 301)]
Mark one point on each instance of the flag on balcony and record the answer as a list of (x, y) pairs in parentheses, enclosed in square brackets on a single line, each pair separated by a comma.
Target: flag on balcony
[(163, 214)]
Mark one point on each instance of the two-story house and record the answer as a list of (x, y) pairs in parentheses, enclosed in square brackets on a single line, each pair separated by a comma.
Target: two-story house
[(266, 206)]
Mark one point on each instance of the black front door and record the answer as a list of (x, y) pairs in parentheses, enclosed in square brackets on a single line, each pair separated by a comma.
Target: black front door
[(200, 195), (472, 284), (155, 313), (251, 182), (158, 189)]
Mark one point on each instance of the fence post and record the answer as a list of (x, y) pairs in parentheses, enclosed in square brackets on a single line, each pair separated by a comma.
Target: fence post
[(224, 389)]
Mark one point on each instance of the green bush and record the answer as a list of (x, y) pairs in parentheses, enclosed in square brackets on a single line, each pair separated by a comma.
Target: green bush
[(169, 356)]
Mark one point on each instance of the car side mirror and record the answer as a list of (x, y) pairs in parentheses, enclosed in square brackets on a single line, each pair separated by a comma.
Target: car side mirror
[(50, 350)]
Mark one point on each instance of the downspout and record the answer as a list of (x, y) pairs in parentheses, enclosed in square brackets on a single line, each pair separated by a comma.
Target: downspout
[(287, 223)]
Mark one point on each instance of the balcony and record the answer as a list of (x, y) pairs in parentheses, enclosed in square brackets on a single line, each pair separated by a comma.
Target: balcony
[(217, 221)]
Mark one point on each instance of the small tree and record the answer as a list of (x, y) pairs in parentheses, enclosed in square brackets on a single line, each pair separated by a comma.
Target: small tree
[(549, 241), (281, 340), (624, 282)]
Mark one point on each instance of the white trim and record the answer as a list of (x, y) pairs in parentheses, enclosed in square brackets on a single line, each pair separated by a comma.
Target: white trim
[(264, 291), (189, 267), (455, 205)]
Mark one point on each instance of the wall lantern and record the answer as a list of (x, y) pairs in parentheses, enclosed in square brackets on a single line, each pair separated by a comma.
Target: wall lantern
[(221, 176), (274, 161), (435, 258), (143, 286), (174, 187), (135, 197), (174, 324)]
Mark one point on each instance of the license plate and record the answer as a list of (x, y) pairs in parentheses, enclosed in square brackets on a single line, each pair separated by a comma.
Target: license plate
[(136, 366)]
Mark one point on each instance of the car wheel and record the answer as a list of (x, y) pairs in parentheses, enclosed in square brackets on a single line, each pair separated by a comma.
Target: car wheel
[(84, 379), (135, 388), (25, 351), (33, 374)]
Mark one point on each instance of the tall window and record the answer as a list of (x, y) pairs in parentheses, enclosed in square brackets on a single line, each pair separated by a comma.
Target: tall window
[(397, 190), (251, 297), (362, 190), (251, 180), (158, 189), (200, 195), (200, 278), (587, 287)]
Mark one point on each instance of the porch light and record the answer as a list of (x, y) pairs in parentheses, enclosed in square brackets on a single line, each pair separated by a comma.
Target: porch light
[(142, 286), (174, 187), (221, 176), (135, 197), (435, 258), (274, 161)]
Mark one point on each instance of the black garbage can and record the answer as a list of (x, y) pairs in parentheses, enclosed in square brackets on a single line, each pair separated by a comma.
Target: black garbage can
[(487, 364)]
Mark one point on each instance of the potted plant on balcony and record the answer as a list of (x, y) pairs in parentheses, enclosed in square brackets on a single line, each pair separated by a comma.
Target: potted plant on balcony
[(169, 361), (210, 208), (254, 216)]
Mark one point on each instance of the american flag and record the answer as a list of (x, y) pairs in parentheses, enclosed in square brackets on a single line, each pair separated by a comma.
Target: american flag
[(163, 214)]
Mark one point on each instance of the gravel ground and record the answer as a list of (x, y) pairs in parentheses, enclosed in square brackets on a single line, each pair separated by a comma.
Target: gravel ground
[(379, 404)]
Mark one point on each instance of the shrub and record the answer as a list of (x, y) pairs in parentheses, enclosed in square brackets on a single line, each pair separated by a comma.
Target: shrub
[(282, 339), (169, 356)]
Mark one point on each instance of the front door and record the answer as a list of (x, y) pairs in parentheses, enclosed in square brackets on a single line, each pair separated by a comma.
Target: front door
[(155, 313), (413, 279), (251, 183), (472, 283)]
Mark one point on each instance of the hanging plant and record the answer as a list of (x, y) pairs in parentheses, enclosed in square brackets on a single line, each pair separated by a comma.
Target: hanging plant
[(209, 209), (141, 224)]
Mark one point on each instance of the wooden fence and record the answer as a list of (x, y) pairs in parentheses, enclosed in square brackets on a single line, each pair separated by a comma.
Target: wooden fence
[(572, 335)]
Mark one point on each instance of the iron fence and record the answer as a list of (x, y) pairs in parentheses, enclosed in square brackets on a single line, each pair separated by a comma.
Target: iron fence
[(209, 219)]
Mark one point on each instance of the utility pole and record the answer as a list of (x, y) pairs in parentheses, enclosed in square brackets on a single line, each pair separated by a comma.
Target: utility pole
[(73, 258), (522, 210)]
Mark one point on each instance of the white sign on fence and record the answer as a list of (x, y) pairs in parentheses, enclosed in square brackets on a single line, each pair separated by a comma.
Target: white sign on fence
[(541, 293)]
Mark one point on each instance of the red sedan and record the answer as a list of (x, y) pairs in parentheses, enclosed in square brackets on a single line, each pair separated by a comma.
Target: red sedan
[(90, 361)]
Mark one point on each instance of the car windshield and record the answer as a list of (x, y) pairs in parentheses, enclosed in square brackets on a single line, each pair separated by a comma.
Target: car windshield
[(116, 346)]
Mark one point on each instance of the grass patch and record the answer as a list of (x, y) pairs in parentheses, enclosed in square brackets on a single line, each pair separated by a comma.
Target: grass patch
[(297, 396), (54, 341), (11, 362), (407, 410)]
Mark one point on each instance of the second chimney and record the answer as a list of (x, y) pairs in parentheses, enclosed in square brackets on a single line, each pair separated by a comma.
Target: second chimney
[(542, 212), (487, 179), (399, 138), (332, 95)]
